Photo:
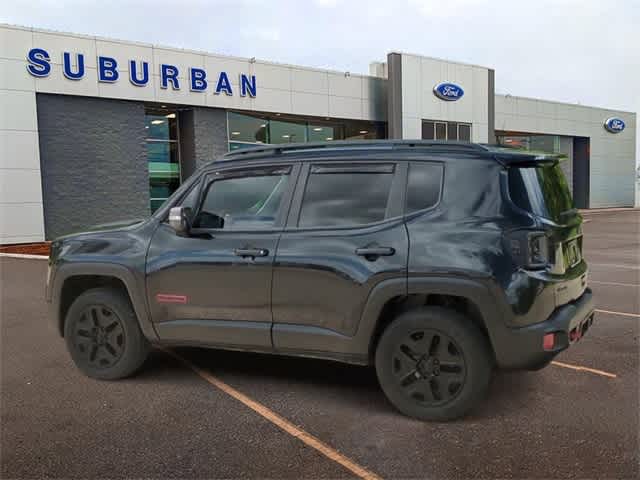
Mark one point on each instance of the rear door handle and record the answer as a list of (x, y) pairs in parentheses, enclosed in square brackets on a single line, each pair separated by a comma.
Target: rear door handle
[(375, 251), (251, 252)]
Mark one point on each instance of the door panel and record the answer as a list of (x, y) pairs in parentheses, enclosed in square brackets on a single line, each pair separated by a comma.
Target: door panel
[(203, 279), (345, 234), (320, 281), (214, 285)]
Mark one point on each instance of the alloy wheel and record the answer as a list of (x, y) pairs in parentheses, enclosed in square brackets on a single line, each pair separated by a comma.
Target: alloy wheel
[(429, 367), (99, 336)]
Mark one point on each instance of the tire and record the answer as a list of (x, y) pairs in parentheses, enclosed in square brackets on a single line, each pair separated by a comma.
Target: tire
[(103, 336), (434, 364)]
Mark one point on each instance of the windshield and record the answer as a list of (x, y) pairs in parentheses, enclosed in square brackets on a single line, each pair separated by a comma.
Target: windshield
[(542, 190)]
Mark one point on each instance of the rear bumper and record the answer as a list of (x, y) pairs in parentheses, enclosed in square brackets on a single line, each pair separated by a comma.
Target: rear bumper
[(522, 348)]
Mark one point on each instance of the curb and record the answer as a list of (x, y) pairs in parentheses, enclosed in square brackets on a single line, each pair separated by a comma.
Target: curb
[(24, 256), (595, 211)]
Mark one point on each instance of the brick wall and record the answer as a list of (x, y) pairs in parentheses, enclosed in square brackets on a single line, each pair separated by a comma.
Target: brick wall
[(93, 162)]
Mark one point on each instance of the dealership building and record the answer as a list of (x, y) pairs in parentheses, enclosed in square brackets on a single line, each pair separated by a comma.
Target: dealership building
[(93, 130)]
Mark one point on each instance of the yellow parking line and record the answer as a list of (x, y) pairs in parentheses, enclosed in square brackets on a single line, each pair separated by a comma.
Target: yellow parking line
[(624, 314), (584, 369), (279, 421), (617, 284)]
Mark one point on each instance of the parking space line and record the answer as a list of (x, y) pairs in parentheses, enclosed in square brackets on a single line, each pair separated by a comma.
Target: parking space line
[(617, 284), (278, 421), (614, 265), (584, 369), (624, 314)]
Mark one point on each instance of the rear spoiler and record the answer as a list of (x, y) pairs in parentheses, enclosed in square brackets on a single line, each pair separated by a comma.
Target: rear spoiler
[(527, 159)]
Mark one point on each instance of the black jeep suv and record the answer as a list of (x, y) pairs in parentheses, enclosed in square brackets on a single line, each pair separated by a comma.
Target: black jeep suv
[(435, 262)]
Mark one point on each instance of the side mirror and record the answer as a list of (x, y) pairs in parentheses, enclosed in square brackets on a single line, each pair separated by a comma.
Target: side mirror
[(180, 220)]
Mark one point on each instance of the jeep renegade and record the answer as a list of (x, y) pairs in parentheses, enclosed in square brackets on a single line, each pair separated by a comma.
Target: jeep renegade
[(434, 262)]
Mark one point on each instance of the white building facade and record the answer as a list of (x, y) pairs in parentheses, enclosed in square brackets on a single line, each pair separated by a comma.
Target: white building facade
[(93, 129)]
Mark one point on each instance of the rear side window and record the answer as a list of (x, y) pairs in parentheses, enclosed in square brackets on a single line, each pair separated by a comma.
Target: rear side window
[(345, 196), (423, 185), (542, 191)]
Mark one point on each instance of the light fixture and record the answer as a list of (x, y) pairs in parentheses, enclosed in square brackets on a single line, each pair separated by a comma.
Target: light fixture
[(263, 125), (170, 115), (156, 122), (146, 126), (364, 131), (285, 136), (235, 133), (317, 129), (163, 106), (329, 138)]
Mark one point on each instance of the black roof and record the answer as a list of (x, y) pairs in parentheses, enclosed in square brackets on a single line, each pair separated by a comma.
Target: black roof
[(504, 155)]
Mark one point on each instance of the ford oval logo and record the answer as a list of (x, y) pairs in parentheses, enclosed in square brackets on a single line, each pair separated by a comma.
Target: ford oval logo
[(448, 91), (614, 124)]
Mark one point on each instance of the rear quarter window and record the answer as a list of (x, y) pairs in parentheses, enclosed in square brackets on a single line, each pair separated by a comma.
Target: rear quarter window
[(423, 186)]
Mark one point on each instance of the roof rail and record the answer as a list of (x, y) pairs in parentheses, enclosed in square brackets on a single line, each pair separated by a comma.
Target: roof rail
[(277, 149)]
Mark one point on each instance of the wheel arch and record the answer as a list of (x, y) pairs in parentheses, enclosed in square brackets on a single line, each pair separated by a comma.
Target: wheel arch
[(72, 280), (467, 296)]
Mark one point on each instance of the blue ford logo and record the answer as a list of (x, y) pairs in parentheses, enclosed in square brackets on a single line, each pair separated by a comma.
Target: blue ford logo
[(614, 125), (448, 91)]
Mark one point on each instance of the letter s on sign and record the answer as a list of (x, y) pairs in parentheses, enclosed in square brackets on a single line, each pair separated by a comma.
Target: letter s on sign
[(39, 65)]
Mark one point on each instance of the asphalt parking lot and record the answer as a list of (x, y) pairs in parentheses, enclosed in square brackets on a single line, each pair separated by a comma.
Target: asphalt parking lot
[(577, 418)]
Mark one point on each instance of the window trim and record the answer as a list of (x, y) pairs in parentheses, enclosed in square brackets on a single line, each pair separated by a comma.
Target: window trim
[(416, 213), (395, 201), (210, 177)]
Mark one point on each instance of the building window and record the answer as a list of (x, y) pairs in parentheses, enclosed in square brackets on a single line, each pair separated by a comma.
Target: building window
[(433, 130), (163, 155), (255, 129)]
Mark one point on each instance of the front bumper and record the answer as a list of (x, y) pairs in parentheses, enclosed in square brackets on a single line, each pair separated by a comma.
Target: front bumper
[(522, 348)]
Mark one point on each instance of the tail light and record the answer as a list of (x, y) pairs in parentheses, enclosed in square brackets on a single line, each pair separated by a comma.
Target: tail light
[(538, 250), (530, 249)]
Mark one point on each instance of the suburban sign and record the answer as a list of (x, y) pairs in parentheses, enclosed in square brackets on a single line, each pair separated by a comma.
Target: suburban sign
[(448, 91), (614, 124), (109, 71)]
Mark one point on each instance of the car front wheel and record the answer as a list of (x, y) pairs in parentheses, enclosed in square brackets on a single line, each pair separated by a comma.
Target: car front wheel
[(103, 336)]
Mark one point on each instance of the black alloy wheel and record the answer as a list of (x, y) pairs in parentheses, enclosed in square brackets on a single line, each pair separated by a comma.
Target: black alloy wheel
[(429, 367), (100, 336), (103, 335), (434, 363)]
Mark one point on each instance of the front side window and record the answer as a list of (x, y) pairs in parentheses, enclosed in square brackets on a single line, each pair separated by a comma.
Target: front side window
[(345, 196), (243, 202)]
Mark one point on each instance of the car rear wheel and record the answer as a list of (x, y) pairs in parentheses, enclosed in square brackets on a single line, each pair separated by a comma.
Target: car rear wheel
[(103, 336), (433, 364)]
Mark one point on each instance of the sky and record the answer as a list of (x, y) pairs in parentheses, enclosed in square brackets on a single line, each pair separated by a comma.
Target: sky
[(579, 51)]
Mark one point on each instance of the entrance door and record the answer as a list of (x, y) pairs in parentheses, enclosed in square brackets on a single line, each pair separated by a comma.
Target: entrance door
[(581, 172), (214, 286)]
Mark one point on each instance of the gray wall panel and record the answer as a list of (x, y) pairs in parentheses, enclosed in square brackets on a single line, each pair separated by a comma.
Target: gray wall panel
[(93, 162), (210, 134)]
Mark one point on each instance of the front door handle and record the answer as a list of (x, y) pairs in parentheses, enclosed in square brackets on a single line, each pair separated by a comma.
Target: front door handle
[(251, 252), (375, 251)]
